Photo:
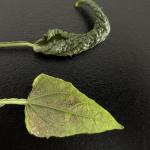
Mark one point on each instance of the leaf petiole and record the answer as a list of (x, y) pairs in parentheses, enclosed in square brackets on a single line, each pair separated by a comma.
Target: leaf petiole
[(16, 44), (13, 101)]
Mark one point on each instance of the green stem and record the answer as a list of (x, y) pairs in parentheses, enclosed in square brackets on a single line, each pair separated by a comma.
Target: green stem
[(16, 44), (13, 101)]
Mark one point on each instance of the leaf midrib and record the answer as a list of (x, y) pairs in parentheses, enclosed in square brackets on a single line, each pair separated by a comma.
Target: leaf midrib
[(47, 95), (60, 110)]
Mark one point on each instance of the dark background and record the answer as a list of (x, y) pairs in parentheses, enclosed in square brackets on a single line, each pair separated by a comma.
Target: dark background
[(116, 73)]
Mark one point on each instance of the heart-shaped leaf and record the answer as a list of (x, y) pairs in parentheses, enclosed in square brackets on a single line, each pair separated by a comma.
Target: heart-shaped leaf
[(56, 108)]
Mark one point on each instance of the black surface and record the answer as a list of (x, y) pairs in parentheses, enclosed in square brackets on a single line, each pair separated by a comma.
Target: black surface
[(116, 74)]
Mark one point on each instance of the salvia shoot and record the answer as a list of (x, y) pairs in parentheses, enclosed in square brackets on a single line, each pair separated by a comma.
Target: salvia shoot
[(62, 43)]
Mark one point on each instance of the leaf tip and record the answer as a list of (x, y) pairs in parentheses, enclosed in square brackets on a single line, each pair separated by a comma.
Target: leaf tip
[(77, 4), (117, 126), (121, 127)]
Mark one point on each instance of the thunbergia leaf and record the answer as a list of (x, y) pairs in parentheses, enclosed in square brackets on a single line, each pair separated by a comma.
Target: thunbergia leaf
[(61, 43), (56, 108)]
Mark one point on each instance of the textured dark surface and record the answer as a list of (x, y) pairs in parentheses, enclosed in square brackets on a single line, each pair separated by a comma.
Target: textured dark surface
[(116, 74)]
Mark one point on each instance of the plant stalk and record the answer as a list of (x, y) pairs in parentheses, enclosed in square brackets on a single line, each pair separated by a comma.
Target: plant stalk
[(13, 101), (16, 44)]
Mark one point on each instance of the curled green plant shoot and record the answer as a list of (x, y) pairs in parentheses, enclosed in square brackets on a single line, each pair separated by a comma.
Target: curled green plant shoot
[(61, 43), (56, 108)]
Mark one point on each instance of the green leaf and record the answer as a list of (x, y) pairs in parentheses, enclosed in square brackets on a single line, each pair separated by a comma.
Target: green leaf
[(56, 108), (62, 43)]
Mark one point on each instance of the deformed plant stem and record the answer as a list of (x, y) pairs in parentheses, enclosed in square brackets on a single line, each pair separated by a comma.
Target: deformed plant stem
[(13, 101), (16, 44)]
